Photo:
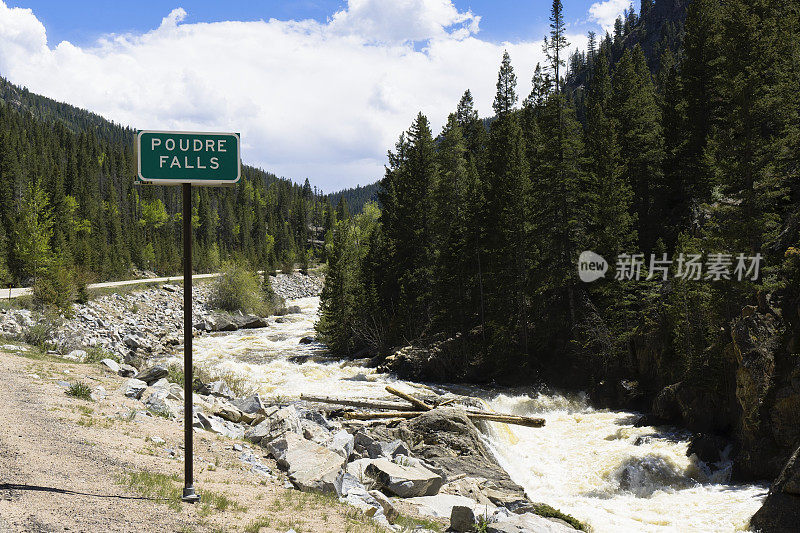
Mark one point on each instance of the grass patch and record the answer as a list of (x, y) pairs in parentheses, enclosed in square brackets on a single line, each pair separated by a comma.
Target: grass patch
[(80, 390), (155, 486), (95, 354), (238, 383), (409, 522), (161, 412), (544, 510), (257, 525)]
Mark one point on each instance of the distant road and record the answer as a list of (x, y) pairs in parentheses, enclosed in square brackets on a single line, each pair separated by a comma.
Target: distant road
[(25, 291)]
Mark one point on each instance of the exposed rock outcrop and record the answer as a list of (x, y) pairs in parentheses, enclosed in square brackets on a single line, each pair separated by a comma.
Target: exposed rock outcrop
[(781, 510)]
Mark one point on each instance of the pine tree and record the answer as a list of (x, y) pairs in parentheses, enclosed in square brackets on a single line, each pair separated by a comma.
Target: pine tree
[(472, 128), (641, 142), (505, 189), (555, 46), (608, 195), (32, 233), (506, 97), (699, 80)]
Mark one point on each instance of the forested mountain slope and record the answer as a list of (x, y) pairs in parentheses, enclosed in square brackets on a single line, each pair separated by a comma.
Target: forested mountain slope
[(68, 203), (680, 170), (356, 197)]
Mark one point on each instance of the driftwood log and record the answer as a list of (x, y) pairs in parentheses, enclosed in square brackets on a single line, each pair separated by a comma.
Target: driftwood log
[(419, 404), (369, 404), (473, 415)]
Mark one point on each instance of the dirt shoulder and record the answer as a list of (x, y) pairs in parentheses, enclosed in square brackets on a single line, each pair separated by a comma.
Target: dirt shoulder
[(68, 464)]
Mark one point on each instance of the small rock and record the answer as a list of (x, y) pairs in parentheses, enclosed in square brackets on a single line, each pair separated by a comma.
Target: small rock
[(77, 355), (175, 392), (229, 413), (99, 394), (171, 288), (157, 440), (135, 342), (404, 481), (221, 389), (133, 388), (111, 365), (462, 518), (388, 508), (127, 371), (394, 449), (308, 340), (152, 374)]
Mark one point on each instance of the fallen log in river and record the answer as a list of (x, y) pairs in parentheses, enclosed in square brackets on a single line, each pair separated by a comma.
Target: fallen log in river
[(401, 410), (472, 415), (371, 404)]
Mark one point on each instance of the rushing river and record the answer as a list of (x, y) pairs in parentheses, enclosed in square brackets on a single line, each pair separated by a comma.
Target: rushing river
[(593, 464)]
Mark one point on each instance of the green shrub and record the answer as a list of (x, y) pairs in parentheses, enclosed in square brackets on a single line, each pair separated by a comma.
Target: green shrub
[(95, 354), (38, 335), (80, 390), (56, 287), (287, 264), (544, 510), (175, 374), (238, 289)]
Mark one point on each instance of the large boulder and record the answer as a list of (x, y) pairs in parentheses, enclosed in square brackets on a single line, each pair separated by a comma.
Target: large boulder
[(112, 365), (251, 405), (529, 523), (447, 439), (446, 430), (277, 423), (781, 510), (311, 467), (152, 374), (406, 481), (219, 426), (342, 443), (249, 321)]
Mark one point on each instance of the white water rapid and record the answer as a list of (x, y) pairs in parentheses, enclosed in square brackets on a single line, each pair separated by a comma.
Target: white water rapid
[(592, 464)]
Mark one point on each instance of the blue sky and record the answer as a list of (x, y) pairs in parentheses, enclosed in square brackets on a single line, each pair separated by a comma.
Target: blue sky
[(318, 89), (83, 21)]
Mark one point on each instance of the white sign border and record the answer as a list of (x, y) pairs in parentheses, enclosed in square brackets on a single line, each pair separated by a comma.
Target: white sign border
[(190, 181)]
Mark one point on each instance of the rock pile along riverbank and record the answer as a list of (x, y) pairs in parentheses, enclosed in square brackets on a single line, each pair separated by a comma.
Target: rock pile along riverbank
[(143, 324)]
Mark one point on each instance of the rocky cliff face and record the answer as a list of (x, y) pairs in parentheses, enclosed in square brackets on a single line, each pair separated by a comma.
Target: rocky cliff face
[(781, 510), (755, 399), (767, 390)]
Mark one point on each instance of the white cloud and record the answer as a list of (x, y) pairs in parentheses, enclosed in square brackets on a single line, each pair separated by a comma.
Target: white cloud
[(606, 13), (317, 100)]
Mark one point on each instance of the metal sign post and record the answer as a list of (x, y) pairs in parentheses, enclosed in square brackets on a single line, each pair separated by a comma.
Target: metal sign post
[(187, 158), (189, 495)]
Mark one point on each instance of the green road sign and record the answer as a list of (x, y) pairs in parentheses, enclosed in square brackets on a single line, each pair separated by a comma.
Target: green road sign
[(175, 157)]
